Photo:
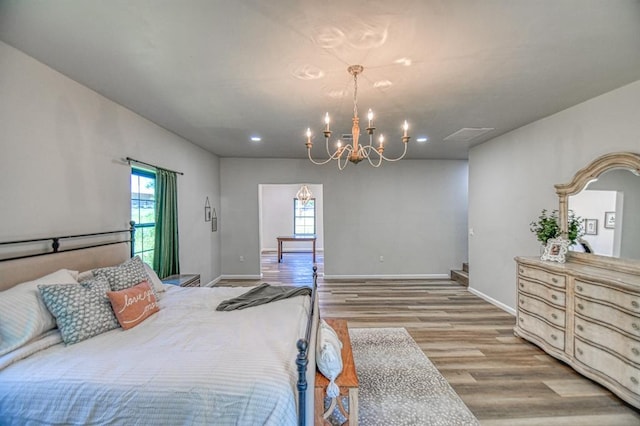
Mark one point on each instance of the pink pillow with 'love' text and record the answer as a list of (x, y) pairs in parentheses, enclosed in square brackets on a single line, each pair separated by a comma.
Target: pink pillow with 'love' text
[(134, 304)]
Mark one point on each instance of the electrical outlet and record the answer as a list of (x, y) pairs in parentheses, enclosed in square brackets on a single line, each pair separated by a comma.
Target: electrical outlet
[(381, 258), (241, 258)]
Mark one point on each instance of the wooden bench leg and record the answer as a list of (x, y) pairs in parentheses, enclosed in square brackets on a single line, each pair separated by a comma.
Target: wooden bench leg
[(319, 407)]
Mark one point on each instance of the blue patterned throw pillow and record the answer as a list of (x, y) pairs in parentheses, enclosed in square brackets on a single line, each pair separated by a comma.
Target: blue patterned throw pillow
[(81, 310), (125, 275)]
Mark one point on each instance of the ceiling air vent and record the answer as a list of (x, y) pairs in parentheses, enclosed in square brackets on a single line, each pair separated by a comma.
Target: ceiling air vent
[(346, 137), (468, 133)]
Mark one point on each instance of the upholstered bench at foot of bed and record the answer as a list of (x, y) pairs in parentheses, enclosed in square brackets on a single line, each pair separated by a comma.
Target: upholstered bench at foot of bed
[(347, 381)]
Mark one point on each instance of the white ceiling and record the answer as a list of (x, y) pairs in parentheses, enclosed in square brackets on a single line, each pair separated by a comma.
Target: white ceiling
[(219, 71)]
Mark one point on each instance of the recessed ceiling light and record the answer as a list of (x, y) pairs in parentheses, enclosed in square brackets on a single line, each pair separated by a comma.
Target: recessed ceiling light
[(422, 139), (256, 138)]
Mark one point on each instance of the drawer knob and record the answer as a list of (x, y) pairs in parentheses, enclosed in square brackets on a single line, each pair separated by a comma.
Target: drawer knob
[(581, 328), (634, 380), (634, 303), (555, 280), (554, 297), (521, 271), (554, 337), (521, 319), (522, 301), (635, 326), (579, 288), (579, 351), (521, 285), (635, 351), (554, 316), (580, 306)]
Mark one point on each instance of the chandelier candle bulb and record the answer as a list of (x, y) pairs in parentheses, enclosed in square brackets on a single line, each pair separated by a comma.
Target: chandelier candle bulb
[(405, 126), (326, 122), (370, 116)]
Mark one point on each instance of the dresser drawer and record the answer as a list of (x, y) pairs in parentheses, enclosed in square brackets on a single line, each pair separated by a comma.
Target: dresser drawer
[(628, 301), (546, 332), (609, 365), (609, 315), (556, 297), (605, 337), (544, 276), (542, 309)]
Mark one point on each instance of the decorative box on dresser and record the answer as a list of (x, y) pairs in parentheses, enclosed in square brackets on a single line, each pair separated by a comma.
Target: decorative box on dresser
[(587, 316)]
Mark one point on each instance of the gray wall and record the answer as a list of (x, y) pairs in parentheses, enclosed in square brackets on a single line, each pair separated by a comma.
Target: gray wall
[(61, 172), (413, 213), (511, 179)]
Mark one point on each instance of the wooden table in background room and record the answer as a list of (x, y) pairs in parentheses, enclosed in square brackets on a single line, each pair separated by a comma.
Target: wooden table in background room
[(311, 238)]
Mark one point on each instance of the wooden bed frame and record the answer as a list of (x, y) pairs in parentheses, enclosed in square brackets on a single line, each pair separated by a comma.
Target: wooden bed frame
[(83, 252)]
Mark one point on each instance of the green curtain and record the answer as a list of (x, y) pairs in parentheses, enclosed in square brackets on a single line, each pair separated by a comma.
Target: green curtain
[(165, 256)]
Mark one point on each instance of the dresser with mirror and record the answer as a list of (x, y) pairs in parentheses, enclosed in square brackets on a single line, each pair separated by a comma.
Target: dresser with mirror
[(586, 311)]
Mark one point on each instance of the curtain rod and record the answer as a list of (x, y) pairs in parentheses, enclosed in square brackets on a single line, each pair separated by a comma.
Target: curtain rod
[(130, 160)]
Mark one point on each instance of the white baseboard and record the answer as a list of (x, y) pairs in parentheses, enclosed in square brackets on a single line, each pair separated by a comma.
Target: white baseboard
[(493, 301), (388, 277), (213, 282)]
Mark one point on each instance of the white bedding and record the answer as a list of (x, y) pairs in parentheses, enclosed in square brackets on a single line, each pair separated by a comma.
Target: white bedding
[(187, 364)]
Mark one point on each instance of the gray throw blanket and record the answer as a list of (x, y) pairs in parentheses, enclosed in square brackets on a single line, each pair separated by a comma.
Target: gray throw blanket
[(264, 293)]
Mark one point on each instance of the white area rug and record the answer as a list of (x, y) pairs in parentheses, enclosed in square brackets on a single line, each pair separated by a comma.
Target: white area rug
[(398, 383)]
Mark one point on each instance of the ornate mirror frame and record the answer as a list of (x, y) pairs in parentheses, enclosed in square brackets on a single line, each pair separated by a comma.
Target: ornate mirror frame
[(617, 160)]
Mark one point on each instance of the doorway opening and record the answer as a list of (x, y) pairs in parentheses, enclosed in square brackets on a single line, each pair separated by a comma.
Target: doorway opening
[(281, 214)]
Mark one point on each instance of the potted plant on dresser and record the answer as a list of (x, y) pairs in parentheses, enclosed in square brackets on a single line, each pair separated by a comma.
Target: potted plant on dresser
[(547, 228)]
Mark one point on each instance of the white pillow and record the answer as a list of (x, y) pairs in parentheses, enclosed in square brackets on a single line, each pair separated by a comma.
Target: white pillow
[(154, 279), (329, 356), (23, 314)]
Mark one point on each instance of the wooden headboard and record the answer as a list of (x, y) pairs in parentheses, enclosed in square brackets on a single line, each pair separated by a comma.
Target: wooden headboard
[(75, 252)]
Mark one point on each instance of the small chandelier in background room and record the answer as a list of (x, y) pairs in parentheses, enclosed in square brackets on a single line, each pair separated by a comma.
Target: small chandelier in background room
[(304, 195), (354, 151)]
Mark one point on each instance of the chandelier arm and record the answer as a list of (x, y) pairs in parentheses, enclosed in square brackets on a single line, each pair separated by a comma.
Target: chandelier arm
[(397, 158), (327, 146), (366, 151), (318, 163), (341, 165), (378, 164), (335, 156)]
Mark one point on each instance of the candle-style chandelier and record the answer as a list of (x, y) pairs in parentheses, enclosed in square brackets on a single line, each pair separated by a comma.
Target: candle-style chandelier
[(354, 151)]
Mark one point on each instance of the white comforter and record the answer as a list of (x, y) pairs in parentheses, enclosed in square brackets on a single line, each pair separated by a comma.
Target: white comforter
[(187, 364)]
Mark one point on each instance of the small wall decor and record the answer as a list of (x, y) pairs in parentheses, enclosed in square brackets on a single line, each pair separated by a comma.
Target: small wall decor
[(214, 221), (609, 220), (207, 211), (591, 227), (556, 250)]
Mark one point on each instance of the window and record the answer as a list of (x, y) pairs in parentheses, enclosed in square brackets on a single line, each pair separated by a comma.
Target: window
[(143, 212), (304, 217)]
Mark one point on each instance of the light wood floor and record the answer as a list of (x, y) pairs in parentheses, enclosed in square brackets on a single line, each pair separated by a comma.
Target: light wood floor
[(504, 380)]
